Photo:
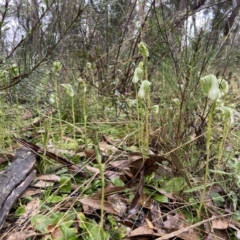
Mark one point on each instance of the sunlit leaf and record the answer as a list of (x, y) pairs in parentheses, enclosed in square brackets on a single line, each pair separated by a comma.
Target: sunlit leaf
[(65, 184), (54, 199), (161, 198), (118, 182)]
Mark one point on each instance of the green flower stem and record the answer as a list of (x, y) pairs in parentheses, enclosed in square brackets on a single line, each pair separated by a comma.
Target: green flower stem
[(138, 115), (209, 132), (223, 140), (101, 169), (85, 119), (73, 118), (147, 105)]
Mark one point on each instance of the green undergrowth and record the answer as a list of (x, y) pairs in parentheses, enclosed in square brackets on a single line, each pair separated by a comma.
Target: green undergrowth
[(192, 136)]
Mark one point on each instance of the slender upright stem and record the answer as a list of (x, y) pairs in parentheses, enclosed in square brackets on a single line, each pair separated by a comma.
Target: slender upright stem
[(209, 132)]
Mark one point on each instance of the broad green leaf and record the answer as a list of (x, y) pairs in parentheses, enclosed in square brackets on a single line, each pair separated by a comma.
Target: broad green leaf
[(161, 198), (54, 199), (217, 199), (65, 184), (175, 185), (41, 222), (117, 182), (94, 231), (67, 233), (82, 221)]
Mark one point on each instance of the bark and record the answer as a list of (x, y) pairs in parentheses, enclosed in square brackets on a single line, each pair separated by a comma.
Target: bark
[(15, 179)]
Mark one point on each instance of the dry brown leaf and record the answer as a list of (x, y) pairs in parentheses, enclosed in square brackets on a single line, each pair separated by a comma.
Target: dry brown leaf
[(188, 228), (144, 201), (112, 174), (52, 178), (93, 169), (220, 223), (149, 223), (96, 204), (189, 236), (55, 231), (6, 157), (136, 162), (31, 192), (31, 209), (23, 235), (172, 223), (118, 204), (143, 231), (105, 147), (156, 214), (90, 153), (218, 234), (109, 190), (119, 164), (43, 184)]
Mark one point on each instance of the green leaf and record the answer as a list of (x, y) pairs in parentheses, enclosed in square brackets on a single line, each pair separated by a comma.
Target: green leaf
[(95, 232), (41, 222), (67, 233), (20, 211), (217, 199), (161, 198), (65, 184), (54, 199), (112, 220), (236, 216), (117, 182), (82, 221), (175, 185)]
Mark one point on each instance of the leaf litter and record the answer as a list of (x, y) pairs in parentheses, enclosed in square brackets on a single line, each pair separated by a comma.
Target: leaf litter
[(132, 208)]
